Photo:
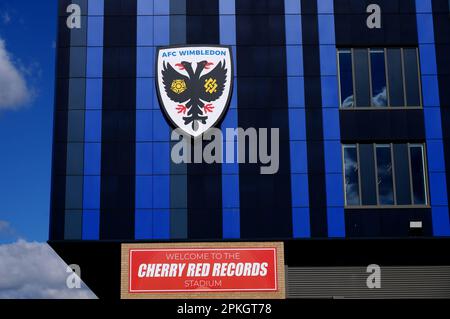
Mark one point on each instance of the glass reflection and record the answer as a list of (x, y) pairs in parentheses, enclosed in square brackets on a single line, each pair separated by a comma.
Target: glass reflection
[(418, 177), (351, 175), (346, 78), (384, 172), (378, 72)]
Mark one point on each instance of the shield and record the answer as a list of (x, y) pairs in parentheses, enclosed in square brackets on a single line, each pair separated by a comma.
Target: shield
[(194, 85)]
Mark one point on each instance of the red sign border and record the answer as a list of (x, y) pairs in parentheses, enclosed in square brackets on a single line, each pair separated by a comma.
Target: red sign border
[(131, 250)]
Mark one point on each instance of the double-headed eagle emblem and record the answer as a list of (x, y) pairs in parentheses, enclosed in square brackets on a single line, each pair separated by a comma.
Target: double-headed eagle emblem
[(194, 92), (194, 85)]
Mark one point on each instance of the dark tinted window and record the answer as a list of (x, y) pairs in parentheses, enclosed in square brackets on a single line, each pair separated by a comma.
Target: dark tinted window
[(362, 85), (411, 77), (418, 174), (346, 78), (368, 182), (384, 172), (379, 77), (378, 73), (395, 74), (351, 175), (402, 178)]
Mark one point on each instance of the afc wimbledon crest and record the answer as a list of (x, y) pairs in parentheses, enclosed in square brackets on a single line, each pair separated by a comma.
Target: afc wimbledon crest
[(194, 85)]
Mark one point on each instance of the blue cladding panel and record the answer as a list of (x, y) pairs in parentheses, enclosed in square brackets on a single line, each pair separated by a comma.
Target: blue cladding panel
[(294, 56), (299, 186), (146, 58), (300, 217), (144, 121), (92, 158), (161, 192), (161, 224), (144, 224), (91, 192), (93, 122), (297, 132), (152, 130), (440, 221), (144, 189), (427, 63), (430, 91), (328, 66), (333, 164), (230, 172), (227, 7), (145, 7), (330, 115), (299, 160), (144, 158), (161, 129), (425, 30), (296, 92), (231, 223), (94, 94), (334, 182), (330, 95), (432, 117), (161, 30), (432, 114), (161, 7), (294, 23), (93, 131), (94, 68), (438, 190), (436, 162), (336, 222), (326, 7), (230, 198), (145, 31), (95, 31), (331, 124), (161, 153), (230, 119), (144, 92), (91, 224), (292, 7), (326, 29), (227, 34), (424, 6), (297, 125), (96, 7)]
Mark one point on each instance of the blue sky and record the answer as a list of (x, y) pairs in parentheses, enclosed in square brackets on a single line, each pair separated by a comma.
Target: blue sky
[(28, 32)]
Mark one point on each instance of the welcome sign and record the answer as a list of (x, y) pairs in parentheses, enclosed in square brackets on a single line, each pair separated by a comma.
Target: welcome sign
[(203, 270)]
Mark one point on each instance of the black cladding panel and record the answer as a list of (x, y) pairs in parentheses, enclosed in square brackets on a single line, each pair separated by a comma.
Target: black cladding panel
[(398, 23)]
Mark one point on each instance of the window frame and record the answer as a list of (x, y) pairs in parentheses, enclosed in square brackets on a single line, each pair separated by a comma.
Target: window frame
[(425, 172), (395, 205), (391, 147), (355, 146), (388, 98)]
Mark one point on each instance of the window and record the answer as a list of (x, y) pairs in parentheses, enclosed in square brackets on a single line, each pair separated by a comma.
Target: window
[(351, 174), (385, 175), (346, 77), (378, 77)]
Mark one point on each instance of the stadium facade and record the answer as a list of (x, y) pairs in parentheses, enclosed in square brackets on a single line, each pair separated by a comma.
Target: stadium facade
[(358, 90)]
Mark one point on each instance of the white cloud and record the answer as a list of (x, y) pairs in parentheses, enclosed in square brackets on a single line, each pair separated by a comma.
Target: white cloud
[(35, 271), (14, 91)]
